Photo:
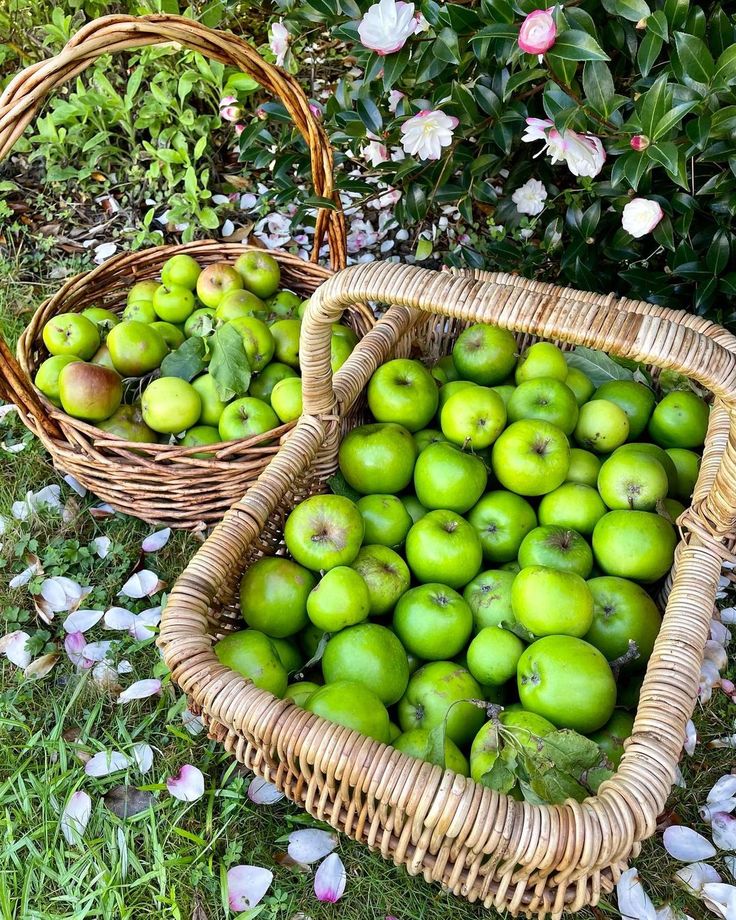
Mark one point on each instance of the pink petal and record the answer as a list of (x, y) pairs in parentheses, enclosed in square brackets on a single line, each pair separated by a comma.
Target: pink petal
[(696, 875), (74, 646), (141, 584), (687, 845), (261, 792), (144, 625), (140, 690), (143, 756), (723, 830), (310, 845), (247, 886), (633, 902), (82, 620), (156, 541), (75, 816), (13, 646), (329, 879), (187, 785), (106, 762)]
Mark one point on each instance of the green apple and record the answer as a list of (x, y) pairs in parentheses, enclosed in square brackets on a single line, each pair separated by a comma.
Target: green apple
[(634, 544), (687, 465), (493, 655), (258, 341), (262, 385), (309, 640), (387, 522), (679, 420), (289, 655), (47, 376), (443, 547), (610, 739), (672, 507), (447, 477), (542, 359), (568, 681), (433, 622), (378, 458), (245, 418), (549, 602), (485, 354), (140, 311), (127, 423), (418, 743), (102, 357), (252, 654), (602, 426), (545, 398), (285, 334), (215, 281), (502, 520), (427, 436), (448, 368), (653, 450), (403, 391), (180, 270), (142, 292), (284, 304), (489, 597), (240, 303), (173, 304), (447, 390), (371, 655), (103, 319), (519, 728), (415, 508), (473, 418), (201, 435), (200, 322), (273, 596), (386, 576), (353, 705), (632, 480), (623, 612), (324, 531), (581, 385), (557, 548), (531, 457), (88, 391), (136, 349), (584, 467), (505, 391), (170, 405), (260, 272), (437, 693), (71, 334), (341, 347), (171, 334), (212, 405), (340, 599), (300, 691), (636, 399), (286, 399)]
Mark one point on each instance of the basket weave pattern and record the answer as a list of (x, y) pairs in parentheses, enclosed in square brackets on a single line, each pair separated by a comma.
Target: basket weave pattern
[(161, 483)]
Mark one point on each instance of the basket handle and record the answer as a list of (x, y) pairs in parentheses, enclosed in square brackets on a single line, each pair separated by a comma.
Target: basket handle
[(625, 328)]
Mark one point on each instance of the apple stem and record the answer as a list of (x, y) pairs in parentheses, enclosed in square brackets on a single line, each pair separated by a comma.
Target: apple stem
[(631, 654)]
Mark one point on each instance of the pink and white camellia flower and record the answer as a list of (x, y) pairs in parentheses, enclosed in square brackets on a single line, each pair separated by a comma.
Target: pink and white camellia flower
[(426, 133), (538, 32), (583, 153), (229, 109), (386, 26), (375, 152), (641, 216), (278, 41), (394, 99)]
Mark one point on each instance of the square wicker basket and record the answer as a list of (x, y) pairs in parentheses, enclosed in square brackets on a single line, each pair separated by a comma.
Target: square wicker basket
[(477, 843)]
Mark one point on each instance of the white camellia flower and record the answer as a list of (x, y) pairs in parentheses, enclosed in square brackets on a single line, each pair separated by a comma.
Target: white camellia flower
[(375, 152), (278, 41), (583, 153), (529, 198), (641, 216), (426, 133), (386, 26)]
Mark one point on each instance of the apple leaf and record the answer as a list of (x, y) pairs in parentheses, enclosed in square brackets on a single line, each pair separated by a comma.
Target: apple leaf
[(570, 751), (596, 776), (564, 767), (318, 652), (671, 380), (555, 786), (597, 365), (501, 775), (187, 361), (518, 630), (229, 365), (339, 486)]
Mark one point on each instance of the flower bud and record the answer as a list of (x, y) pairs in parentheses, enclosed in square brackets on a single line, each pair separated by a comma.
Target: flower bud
[(639, 142), (538, 32)]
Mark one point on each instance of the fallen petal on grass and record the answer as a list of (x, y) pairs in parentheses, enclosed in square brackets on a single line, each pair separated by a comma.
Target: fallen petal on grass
[(330, 879), (261, 792), (691, 738), (687, 845), (102, 546), (310, 845), (187, 785), (723, 831), (82, 620), (74, 646), (75, 816), (25, 576), (143, 756), (106, 677), (41, 666), (145, 623), (13, 646), (106, 762), (721, 899), (193, 723), (75, 485), (247, 886), (98, 651), (118, 618), (156, 541), (696, 875), (724, 788), (140, 690), (141, 584)]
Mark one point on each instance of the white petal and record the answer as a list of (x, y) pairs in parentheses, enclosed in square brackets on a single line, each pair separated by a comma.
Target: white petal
[(97, 651), (142, 584), (728, 616), (156, 541), (74, 646), (723, 788), (75, 816), (227, 229), (716, 653), (187, 785), (48, 497), (25, 576), (330, 878), (125, 667), (723, 830), (696, 875), (194, 725), (14, 648), (261, 792), (687, 845), (102, 546), (106, 762), (143, 756), (105, 676), (691, 738), (82, 620), (730, 862), (310, 845), (52, 591), (247, 886), (104, 251), (721, 898), (719, 632), (144, 625), (119, 618), (728, 741), (75, 485), (140, 690)]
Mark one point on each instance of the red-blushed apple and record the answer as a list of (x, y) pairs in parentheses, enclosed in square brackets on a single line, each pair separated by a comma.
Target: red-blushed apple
[(89, 392), (127, 423), (47, 376)]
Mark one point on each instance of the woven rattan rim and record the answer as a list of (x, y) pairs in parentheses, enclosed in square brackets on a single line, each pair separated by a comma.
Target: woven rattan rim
[(537, 860)]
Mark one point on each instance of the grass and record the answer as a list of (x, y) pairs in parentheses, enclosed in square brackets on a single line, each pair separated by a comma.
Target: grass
[(170, 860)]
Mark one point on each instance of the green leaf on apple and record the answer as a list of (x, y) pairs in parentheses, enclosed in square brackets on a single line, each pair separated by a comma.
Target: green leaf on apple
[(570, 751), (502, 775), (229, 365), (597, 365), (565, 766), (339, 486), (187, 361)]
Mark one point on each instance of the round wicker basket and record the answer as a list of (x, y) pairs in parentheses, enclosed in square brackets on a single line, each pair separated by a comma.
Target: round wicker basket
[(478, 844), (159, 483)]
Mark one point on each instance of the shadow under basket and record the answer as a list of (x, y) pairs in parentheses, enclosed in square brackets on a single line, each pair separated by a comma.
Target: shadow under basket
[(479, 844)]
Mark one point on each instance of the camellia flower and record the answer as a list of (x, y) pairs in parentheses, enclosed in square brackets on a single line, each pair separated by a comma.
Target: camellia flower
[(641, 216), (375, 152), (394, 98), (583, 153), (529, 198), (538, 32), (278, 41), (426, 133), (639, 142), (386, 26), (229, 109)]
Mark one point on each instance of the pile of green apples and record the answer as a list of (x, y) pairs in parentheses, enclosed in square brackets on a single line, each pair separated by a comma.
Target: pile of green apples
[(95, 351), (494, 539)]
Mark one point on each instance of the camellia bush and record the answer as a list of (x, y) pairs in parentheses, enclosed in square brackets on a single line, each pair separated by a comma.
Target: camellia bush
[(589, 143)]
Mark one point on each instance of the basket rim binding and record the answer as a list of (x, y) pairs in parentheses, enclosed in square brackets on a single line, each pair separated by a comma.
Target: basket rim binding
[(450, 825)]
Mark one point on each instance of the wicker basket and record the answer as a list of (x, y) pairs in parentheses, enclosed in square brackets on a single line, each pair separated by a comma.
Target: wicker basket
[(160, 483), (477, 843)]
